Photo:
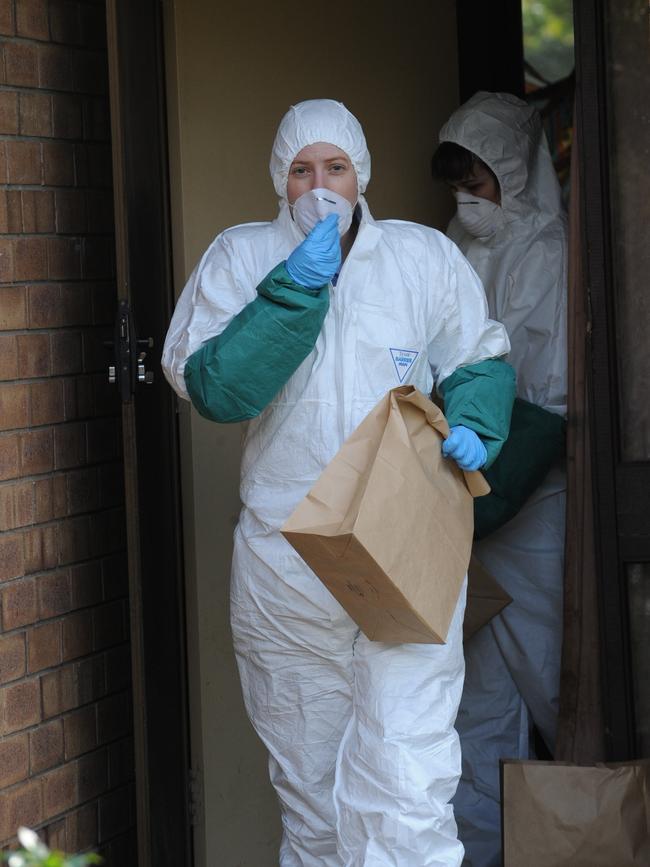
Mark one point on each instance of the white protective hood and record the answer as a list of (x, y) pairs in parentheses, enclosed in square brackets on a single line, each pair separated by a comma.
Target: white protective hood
[(318, 120), (523, 265)]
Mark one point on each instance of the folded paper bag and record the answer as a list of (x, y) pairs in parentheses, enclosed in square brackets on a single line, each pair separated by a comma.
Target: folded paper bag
[(388, 525), (564, 815), (485, 598)]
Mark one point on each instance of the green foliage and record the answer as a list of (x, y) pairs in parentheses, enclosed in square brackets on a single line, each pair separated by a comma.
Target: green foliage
[(548, 36), (36, 854)]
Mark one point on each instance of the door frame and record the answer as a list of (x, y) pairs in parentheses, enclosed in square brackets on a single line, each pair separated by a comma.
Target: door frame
[(151, 436)]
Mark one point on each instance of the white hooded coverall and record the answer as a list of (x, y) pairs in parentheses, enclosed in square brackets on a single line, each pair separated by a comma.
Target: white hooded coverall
[(513, 664), (362, 748)]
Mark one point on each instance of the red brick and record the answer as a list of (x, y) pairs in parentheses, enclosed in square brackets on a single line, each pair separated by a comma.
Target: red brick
[(90, 72), (32, 19), (92, 774), (59, 496), (19, 604), (86, 584), (60, 790), (8, 112), (36, 451), (79, 398), (64, 258), (81, 829), (66, 353), (12, 657), (33, 355), (41, 548), (69, 445), (74, 539), (24, 504), (24, 161), (54, 835), (30, 258), (47, 401), (43, 500), (11, 559), (80, 732), (5, 217), (7, 511), (76, 305), (67, 116), (20, 806), (54, 594), (7, 269), (9, 456), (38, 211), (55, 67), (14, 406), (35, 114), (8, 357), (46, 746), (83, 491), (13, 307), (21, 706), (58, 164), (21, 65), (14, 760), (77, 635), (64, 21), (44, 646), (7, 22), (14, 212), (70, 212), (44, 305)]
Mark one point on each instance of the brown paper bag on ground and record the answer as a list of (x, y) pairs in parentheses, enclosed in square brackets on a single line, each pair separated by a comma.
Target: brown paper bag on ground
[(563, 815), (485, 598), (388, 525)]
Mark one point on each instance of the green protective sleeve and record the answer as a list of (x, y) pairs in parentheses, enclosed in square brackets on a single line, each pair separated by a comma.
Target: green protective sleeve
[(480, 396), (236, 374)]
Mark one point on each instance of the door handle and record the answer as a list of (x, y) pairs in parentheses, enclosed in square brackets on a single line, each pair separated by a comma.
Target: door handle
[(127, 365)]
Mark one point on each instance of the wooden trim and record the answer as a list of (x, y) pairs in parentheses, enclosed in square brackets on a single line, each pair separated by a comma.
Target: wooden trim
[(591, 107), (151, 436)]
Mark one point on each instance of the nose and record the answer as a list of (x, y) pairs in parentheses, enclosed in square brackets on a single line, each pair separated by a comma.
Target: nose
[(319, 178)]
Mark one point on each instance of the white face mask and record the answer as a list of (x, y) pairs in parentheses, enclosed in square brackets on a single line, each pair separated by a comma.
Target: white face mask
[(480, 217), (314, 205)]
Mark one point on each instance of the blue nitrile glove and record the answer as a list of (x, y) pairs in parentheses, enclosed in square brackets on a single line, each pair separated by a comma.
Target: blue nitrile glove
[(465, 448), (314, 262)]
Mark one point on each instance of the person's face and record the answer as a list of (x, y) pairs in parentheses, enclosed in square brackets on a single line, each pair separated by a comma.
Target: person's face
[(480, 182), (322, 165)]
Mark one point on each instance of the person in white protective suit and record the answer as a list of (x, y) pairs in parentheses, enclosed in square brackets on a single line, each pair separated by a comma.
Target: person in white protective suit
[(362, 748), (510, 225)]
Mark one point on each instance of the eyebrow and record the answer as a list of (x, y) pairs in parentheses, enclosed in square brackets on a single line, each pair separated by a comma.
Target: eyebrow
[(342, 158)]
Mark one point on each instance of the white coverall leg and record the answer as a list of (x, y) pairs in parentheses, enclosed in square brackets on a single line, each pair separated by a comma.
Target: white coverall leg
[(360, 734), (513, 666)]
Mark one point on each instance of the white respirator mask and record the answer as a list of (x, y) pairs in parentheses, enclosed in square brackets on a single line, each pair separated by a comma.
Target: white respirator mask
[(480, 217), (314, 205)]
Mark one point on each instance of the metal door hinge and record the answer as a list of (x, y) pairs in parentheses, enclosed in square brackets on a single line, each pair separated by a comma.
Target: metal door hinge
[(127, 368)]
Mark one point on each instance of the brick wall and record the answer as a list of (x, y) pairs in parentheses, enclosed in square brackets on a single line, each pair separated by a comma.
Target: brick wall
[(65, 730)]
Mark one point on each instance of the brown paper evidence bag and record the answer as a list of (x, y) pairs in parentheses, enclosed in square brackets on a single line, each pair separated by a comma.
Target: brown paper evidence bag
[(563, 815), (388, 526)]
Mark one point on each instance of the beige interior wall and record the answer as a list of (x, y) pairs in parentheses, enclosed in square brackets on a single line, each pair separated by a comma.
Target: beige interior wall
[(233, 70)]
